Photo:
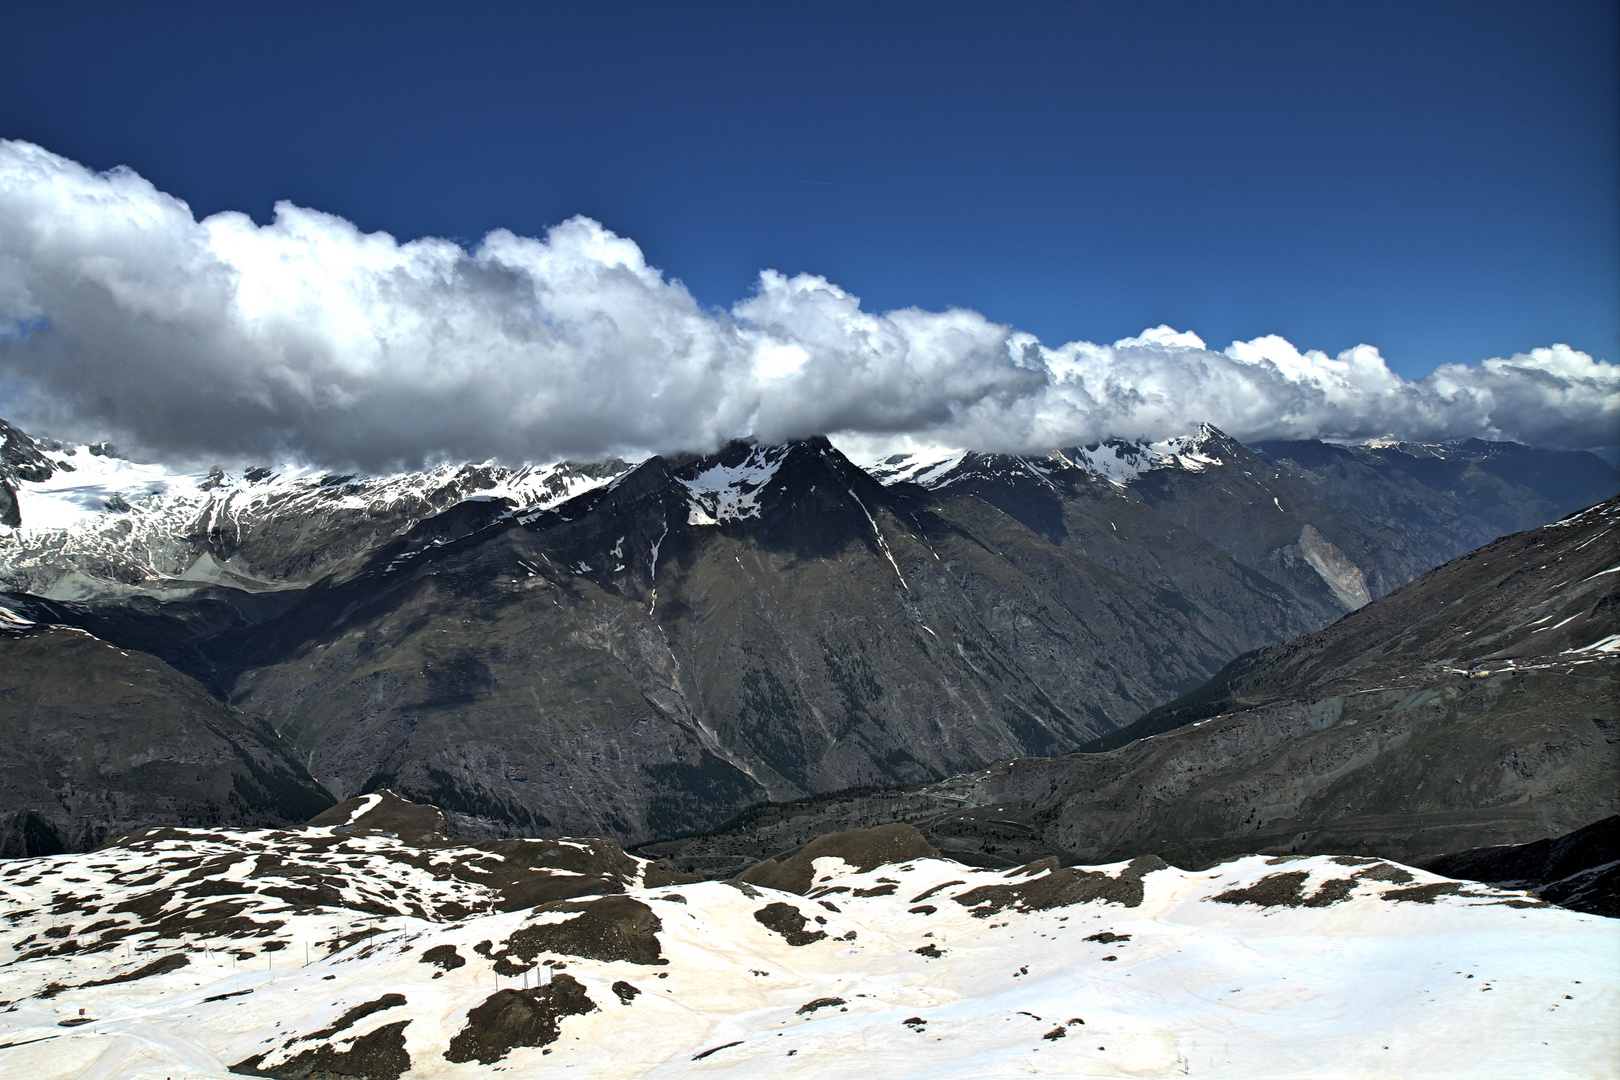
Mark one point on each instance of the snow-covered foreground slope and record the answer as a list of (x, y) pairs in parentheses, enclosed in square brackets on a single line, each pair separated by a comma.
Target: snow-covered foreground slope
[(344, 950)]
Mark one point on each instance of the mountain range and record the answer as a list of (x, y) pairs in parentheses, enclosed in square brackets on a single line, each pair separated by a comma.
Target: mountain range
[(643, 650)]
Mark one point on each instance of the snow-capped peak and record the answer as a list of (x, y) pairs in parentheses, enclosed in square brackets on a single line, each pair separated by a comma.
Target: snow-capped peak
[(730, 492), (1120, 462), (920, 468), (1117, 461), (87, 522)]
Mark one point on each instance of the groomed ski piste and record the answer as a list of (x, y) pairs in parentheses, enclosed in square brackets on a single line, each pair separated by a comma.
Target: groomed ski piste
[(368, 944)]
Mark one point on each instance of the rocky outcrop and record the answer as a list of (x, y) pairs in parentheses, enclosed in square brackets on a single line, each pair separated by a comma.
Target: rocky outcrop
[(1579, 870)]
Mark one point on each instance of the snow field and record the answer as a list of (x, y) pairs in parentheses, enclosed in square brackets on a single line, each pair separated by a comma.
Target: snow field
[(1180, 984)]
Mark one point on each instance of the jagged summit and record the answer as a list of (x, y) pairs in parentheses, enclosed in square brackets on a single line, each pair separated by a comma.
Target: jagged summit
[(85, 523)]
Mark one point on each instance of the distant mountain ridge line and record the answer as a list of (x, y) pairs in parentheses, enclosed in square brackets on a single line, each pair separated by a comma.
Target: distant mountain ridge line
[(100, 508), (645, 650)]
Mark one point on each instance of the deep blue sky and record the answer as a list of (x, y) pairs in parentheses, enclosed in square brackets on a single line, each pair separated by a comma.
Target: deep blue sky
[(1440, 180)]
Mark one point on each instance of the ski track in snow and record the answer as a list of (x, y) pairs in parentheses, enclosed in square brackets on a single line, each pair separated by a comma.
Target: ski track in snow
[(1465, 985)]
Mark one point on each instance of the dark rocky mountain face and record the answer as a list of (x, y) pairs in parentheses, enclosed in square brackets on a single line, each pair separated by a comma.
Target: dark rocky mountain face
[(1580, 870), (1475, 489), (704, 633), (1474, 706), (655, 655), (20, 459), (1335, 526), (100, 741)]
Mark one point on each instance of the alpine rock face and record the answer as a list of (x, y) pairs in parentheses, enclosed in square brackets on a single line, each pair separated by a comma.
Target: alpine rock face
[(1472, 708), (642, 651), (1337, 525), (100, 740)]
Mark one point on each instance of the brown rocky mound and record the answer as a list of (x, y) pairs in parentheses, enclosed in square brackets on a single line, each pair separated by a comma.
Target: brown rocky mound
[(414, 823), (606, 928), (1047, 885), (789, 921), (377, 1055), (512, 1018), (866, 849)]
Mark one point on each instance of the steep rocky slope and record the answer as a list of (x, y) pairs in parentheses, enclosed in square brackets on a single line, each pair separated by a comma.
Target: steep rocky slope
[(1476, 705), (1580, 870), (371, 945), (1335, 525), (1472, 489), (99, 741)]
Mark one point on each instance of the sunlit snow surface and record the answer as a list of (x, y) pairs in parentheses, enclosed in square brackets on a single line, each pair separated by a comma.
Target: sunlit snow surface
[(1405, 976), (71, 499)]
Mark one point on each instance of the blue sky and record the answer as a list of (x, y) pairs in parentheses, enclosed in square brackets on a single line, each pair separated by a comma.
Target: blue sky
[(1439, 180)]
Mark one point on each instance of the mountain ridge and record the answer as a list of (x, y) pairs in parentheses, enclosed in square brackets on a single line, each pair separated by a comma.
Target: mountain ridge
[(678, 639)]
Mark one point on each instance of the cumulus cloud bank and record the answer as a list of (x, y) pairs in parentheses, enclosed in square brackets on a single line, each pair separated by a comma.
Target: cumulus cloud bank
[(122, 314)]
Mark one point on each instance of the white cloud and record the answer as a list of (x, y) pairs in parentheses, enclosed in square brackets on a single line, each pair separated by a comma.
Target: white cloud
[(122, 315)]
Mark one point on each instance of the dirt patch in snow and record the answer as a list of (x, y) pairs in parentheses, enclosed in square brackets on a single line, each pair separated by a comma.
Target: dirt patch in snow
[(356, 1014), (377, 1055), (716, 1049), (920, 897), (1427, 894), (819, 1003), (1288, 890), (789, 921), (161, 966), (414, 823), (444, 957), (606, 928), (591, 867), (1047, 885), (513, 1018), (865, 849)]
